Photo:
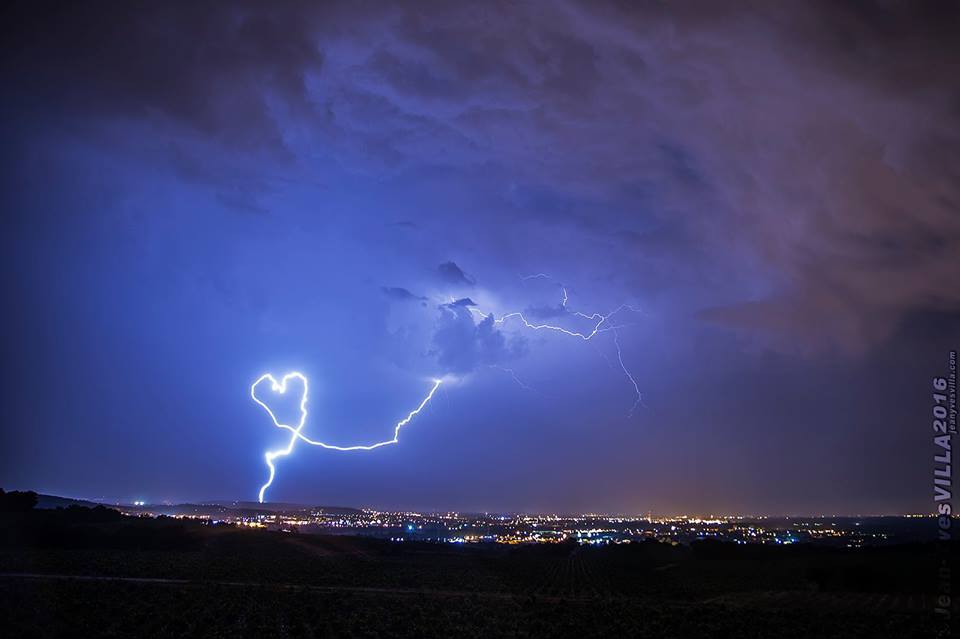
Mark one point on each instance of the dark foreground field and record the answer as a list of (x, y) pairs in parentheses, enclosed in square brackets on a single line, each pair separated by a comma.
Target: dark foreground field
[(95, 573)]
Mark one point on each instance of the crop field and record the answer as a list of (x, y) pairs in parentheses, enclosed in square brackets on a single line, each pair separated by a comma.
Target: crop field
[(173, 578)]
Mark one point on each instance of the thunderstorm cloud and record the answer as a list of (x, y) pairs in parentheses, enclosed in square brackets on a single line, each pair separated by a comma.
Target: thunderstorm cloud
[(196, 192)]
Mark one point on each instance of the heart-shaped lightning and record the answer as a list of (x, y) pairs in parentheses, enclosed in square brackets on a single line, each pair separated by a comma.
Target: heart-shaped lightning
[(281, 387)]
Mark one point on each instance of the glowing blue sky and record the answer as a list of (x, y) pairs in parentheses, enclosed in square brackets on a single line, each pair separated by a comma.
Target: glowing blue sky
[(193, 197)]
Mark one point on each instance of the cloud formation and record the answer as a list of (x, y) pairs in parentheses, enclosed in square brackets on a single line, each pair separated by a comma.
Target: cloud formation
[(232, 183), (792, 166), (452, 274), (400, 294), (461, 345)]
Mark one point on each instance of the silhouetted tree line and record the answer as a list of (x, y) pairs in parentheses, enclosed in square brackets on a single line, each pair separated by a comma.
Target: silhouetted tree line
[(25, 526), (17, 501)]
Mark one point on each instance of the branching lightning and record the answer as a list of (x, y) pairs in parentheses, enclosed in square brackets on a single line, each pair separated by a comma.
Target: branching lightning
[(513, 375), (281, 387), (602, 323), (598, 318), (636, 387)]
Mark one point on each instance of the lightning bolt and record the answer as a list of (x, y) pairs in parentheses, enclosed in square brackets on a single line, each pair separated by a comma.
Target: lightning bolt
[(636, 387), (512, 374), (295, 431), (598, 318), (601, 324)]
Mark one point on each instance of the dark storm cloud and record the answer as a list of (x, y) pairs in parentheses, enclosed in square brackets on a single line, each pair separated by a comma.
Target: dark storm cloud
[(400, 294), (757, 142), (781, 175), (461, 344), (453, 274), (778, 148), (174, 84), (210, 68)]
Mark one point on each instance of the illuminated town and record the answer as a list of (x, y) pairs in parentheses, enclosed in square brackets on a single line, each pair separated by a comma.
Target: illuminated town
[(513, 528)]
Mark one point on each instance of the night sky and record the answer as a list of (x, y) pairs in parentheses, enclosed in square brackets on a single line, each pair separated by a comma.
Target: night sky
[(194, 195)]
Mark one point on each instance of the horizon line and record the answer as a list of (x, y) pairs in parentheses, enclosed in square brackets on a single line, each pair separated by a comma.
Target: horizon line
[(649, 515)]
